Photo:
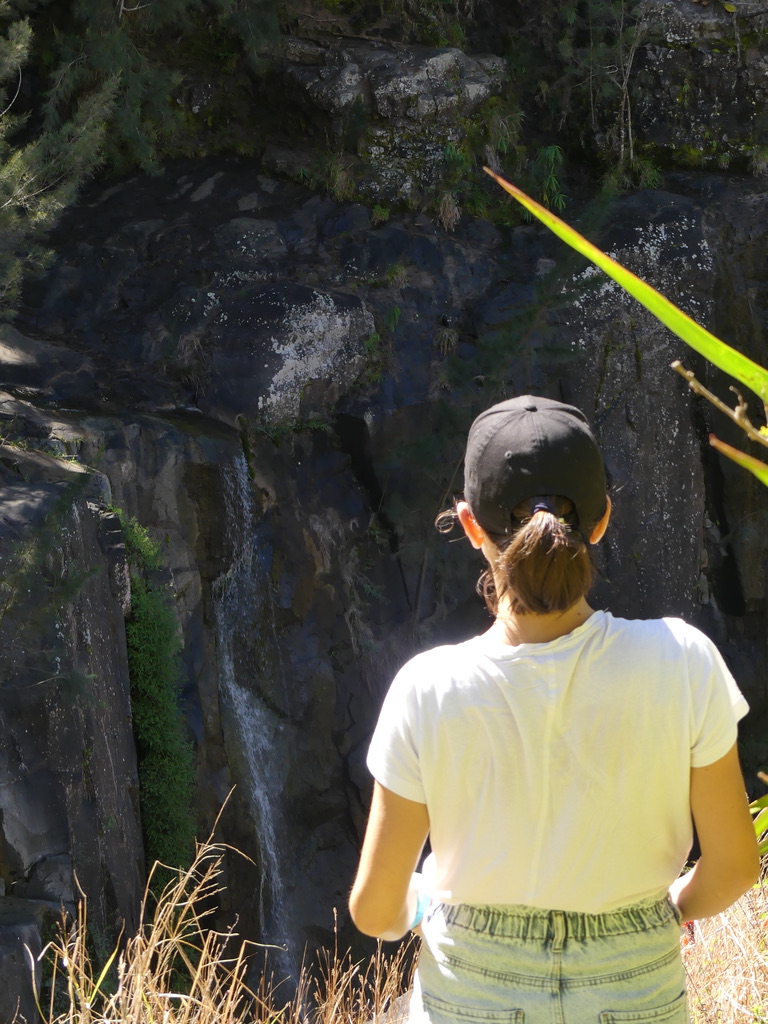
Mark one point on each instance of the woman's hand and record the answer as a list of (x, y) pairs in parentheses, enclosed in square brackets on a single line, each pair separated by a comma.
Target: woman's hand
[(382, 903)]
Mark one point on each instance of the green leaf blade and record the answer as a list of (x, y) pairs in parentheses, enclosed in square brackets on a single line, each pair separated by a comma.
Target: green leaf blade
[(734, 363), (754, 466)]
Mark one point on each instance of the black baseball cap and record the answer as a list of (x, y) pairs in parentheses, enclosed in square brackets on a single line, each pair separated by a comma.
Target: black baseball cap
[(529, 446)]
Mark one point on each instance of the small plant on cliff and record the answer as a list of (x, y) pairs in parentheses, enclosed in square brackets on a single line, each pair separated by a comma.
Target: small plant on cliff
[(448, 211), (166, 769), (547, 170), (392, 319)]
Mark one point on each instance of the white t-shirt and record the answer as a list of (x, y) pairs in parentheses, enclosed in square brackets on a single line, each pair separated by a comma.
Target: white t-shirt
[(557, 775)]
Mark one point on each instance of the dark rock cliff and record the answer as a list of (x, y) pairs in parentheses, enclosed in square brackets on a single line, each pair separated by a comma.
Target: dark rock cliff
[(278, 386)]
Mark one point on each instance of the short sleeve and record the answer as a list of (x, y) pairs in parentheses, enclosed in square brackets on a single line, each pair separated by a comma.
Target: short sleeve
[(393, 755), (717, 704)]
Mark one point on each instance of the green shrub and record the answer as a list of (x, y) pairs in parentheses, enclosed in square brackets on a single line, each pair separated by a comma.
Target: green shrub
[(165, 757)]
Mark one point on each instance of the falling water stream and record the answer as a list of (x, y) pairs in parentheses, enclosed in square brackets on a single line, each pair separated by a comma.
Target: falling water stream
[(249, 667)]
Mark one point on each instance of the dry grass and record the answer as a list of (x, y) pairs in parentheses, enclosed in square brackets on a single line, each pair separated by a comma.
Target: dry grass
[(726, 960), (448, 211), (353, 993), (177, 970)]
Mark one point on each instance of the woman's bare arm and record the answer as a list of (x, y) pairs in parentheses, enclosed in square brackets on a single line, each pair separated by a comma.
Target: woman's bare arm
[(395, 836), (729, 862)]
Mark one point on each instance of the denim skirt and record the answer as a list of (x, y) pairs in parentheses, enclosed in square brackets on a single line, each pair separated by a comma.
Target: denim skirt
[(521, 965)]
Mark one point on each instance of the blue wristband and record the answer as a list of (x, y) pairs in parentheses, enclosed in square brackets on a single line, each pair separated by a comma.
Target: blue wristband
[(421, 908)]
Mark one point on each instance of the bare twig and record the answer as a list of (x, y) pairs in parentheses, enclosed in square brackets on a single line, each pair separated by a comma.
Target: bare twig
[(738, 415), (16, 96), (122, 9), (423, 569)]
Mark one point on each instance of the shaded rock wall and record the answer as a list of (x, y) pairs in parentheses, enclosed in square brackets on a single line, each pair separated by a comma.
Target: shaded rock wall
[(700, 84), (298, 534), (69, 814), (69, 795), (278, 385)]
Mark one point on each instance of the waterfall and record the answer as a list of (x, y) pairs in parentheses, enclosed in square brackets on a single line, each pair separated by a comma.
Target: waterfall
[(249, 667)]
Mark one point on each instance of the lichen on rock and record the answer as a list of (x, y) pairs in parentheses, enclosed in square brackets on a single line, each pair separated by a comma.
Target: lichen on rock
[(318, 339)]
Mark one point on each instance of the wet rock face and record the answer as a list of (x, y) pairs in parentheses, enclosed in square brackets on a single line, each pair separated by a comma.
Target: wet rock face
[(225, 320), (68, 784), (650, 440), (69, 795), (70, 798), (700, 85), (272, 342), (281, 391), (20, 946)]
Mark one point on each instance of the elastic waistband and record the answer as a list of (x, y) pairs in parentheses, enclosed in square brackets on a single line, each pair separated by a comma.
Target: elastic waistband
[(520, 922)]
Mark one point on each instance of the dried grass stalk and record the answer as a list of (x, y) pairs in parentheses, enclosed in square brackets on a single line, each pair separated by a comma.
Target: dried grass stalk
[(175, 969), (726, 961), (178, 970)]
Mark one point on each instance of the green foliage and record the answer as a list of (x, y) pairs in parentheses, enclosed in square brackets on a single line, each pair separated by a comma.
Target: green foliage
[(758, 161), (40, 176), (491, 133), (394, 276), (576, 58), (331, 173), (547, 166), (374, 347), (638, 173), (141, 549), (373, 343), (166, 767), (143, 44), (759, 810), (279, 432), (433, 22), (392, 319), (458, 160), (109, 74), (755, 466)]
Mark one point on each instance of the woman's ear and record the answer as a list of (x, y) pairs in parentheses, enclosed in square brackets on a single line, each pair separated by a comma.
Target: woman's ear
[(470, 525), (602, 525)]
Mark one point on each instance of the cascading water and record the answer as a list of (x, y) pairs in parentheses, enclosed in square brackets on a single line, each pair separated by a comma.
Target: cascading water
[(249, 667)]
